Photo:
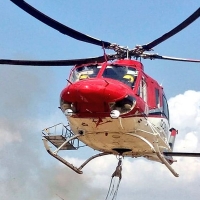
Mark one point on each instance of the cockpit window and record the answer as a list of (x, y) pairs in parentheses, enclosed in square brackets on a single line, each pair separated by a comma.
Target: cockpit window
[(121, 73), (84, 72)]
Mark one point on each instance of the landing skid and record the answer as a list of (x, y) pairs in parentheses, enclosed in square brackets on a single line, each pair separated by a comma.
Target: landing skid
[(156, 149), (163, 160), (64, 141), (154, 145)]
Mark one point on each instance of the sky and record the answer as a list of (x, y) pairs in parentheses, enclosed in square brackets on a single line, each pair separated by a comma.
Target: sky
[(29, 98)]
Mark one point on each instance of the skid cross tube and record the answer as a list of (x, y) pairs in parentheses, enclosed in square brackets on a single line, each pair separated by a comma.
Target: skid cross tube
[(155, 148), (91, 158), (162, 159), (65, 162)]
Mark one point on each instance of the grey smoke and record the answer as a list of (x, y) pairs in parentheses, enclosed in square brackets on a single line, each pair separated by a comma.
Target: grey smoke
[(26, 171)]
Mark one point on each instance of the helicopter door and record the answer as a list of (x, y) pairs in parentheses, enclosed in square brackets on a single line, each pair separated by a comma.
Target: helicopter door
[(157, 96), (143, 89), (165, 107)]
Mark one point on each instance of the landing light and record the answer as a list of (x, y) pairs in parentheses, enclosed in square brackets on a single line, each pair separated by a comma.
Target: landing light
[(114, 114), (68, 112)]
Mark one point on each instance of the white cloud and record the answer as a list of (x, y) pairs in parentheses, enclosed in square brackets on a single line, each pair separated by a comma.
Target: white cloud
[(141, 179), (8, 136), (185, 111), (189, 143)]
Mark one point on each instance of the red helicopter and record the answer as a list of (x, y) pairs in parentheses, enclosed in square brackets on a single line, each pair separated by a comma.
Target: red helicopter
[(111, 104)]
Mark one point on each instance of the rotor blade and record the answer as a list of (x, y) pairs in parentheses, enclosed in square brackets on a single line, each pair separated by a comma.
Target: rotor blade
[(181, 154), (176, 59), (56, 62), (58, 26), (154, 56), (174, 31)]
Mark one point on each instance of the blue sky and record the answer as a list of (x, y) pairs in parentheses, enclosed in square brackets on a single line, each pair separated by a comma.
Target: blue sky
[(126, 23), (30, 95)]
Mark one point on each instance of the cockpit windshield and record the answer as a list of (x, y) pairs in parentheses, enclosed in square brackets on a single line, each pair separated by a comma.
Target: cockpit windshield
[(125, 74), (84, 72)]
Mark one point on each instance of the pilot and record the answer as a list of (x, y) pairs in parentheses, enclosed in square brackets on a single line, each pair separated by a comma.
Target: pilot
[(83, 76), (129, 79)]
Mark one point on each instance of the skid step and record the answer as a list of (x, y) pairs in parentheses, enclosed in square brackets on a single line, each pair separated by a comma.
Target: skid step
[(58, 140), (59, 135)]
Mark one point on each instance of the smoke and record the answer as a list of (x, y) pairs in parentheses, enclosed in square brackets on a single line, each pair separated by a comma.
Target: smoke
[(21, 90), (28, 172)]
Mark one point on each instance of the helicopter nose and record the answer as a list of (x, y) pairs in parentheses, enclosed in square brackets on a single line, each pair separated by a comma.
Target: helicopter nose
[(97, 97), (90, 91), (100, 91), (94, 91)]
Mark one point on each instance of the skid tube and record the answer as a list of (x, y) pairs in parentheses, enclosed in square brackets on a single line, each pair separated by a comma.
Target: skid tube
[(65, 162), (163, 160), (155, 149)]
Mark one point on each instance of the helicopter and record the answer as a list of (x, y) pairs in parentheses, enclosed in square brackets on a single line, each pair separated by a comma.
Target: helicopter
[(111, 104)]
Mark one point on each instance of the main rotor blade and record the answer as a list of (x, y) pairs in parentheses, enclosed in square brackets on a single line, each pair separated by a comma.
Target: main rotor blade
[(181, 154), (58, 26), (174, 31), (57, 62), (154, 56)]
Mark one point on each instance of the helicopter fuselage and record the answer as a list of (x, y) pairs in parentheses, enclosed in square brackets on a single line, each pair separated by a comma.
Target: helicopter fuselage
[(117, 108)]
